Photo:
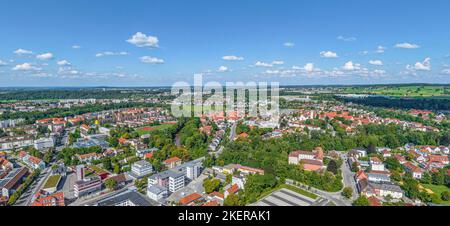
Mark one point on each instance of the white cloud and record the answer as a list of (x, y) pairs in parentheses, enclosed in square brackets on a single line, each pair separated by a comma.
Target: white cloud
[(289, 44), (3, 63), (277, 62), (380, 49), (406, 45), (23, 52), (63, 63), (142, 40), (420, 66), (309, 67), (445, 72), (151, 60), (263, 64), (328, 54), (76, 47), (222, 69), (25, 67), (44, 56), (350, 66), (109, 53), (346, 39), (376, 62), (233, 58)]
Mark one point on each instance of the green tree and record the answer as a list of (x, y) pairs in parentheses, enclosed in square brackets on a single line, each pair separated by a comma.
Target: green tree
[(111, 184), (211, 185), (232, 200), (361, 201), (332, 167), (445, 195), (347, 192)]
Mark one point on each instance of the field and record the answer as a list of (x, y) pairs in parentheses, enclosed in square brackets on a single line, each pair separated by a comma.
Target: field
[(438, 189), (52, 181), (149, 129), (401, 91)]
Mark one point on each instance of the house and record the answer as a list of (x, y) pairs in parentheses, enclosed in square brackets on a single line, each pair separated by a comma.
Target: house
[(442, 159), (31, 161), (297, 156), (56, 199), (86, 158), (11, 181), (44, 143), (416, 171), (360, 175), (87, 186), (376, 164), (231, 190), (379, 176), (400, 158), (211, 203), (369, 189), (190, 199), (172, 162)]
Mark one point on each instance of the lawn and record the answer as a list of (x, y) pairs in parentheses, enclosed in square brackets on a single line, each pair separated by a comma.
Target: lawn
[(401, 91), (149, 129), (438, 189), (52, 181)]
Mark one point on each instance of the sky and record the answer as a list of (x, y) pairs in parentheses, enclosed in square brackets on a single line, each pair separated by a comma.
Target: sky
[(153, 43)]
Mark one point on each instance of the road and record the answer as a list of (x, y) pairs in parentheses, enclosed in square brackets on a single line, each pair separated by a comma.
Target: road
[(348, 176), (233, 131), (27, 197), (335, 197)]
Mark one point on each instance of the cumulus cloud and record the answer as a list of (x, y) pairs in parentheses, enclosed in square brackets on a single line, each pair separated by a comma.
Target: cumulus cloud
[(23, 52), (63, 63), (109, 53), (142, 40), (76, 47), (3, 63), (445, 72), (151, 60), (346, 39), (328, 54), (289, 44), (350, 66), (406, 45), (420, 66), (222, 69), (309, 67), (233, 58), (277, 62), (25, 67), (380, 49), (263, 64), (44, 56), (376, 62)]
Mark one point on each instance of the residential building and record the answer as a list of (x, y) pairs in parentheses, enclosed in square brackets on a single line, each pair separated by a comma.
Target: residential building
[(140, 169), (87, 186), (157, 192), (41, 199)]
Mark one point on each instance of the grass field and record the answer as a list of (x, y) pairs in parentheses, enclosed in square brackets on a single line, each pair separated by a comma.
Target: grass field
[(438, 189), (401, 91), (52, 181), (149, 129)]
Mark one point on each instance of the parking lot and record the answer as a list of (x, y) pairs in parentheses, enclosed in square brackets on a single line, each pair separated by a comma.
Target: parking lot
[(286, 197)]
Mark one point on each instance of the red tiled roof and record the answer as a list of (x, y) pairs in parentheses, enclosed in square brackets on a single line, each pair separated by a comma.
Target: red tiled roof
[(233, 189), (190, 198), (217, 194), (172, 160), (56, 199), (211, 203), (148, 155), (374, 201)]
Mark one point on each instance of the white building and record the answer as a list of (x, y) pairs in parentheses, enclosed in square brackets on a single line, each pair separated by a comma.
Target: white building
[(44, 143), (141, 169), (156, 192)]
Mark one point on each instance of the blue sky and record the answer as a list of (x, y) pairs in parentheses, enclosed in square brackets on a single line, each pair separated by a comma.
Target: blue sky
[(151, 43)]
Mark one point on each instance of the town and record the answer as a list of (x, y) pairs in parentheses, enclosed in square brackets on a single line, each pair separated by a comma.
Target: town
[(131, 151)]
